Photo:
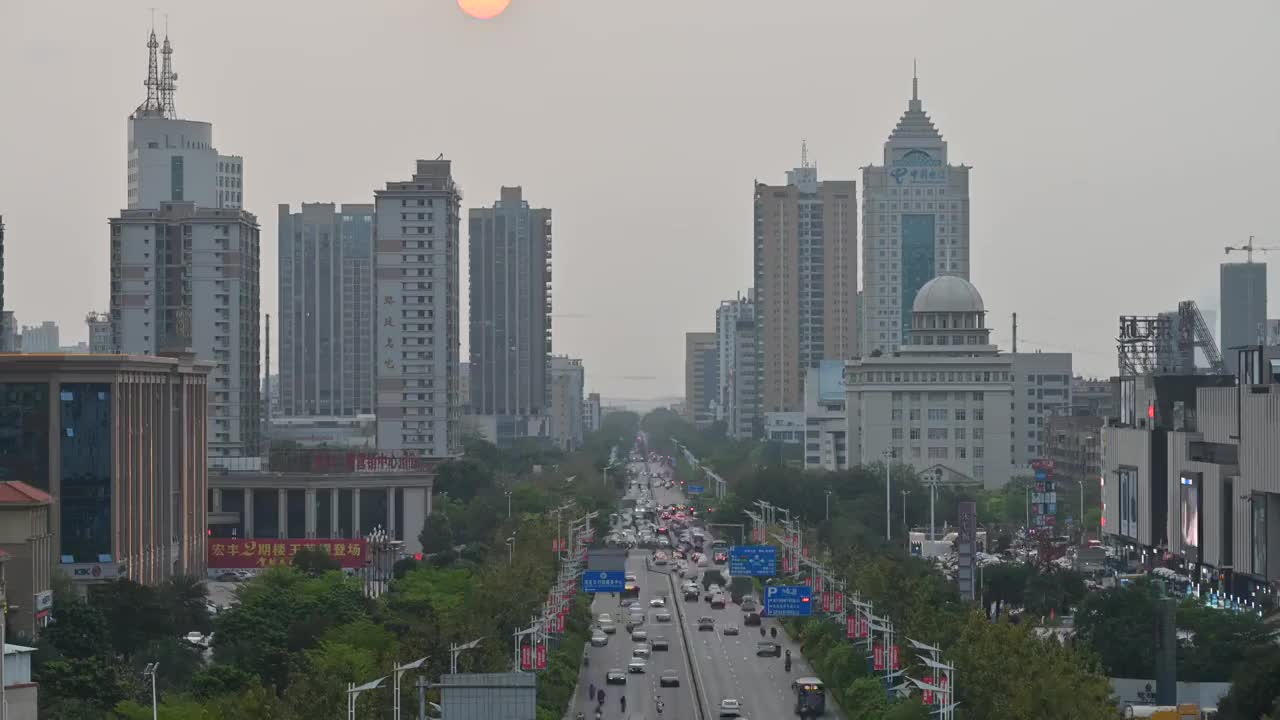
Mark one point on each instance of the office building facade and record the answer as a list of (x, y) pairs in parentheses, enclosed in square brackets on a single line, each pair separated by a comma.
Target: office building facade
[(185, 278), (326, 310), (737, 354), (806, 281), (1041, 391), (118, 442), (701, 381), (1243, 289), (568, 379), (416, 296), (26, 537), (915, 226), (4, 346), (42, 338), (99, 326), (944, 401), (174, 160), (510, 309), (826, 445)]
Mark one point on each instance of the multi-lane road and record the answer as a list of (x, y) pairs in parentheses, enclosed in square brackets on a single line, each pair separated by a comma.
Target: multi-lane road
[(723, 665)]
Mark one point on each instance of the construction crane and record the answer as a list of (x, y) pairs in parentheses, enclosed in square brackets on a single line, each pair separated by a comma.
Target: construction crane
[(1249, 248)]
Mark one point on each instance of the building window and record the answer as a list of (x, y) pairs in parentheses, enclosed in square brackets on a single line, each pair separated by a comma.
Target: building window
[(960, 433), (960, 452), (936, 433), (978, 452), (960, 415), (896, 433), (913, 414), (937, 453), (937, 415), (895, 414), (979, 415)]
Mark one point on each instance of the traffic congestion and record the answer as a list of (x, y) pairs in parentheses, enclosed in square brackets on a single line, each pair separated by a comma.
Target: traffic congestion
[(685, 639)]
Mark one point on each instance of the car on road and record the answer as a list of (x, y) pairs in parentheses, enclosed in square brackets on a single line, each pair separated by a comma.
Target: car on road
[(691, 592), (720, 557), (659, 642), (662, 616), (630, 577), (752, 619), (639, 636), (730, 630), (749, 604), (228, 577), (658, 602), (604, 618), (640, 651), (599, 639), (730, 707), (718, 601), (615, 676), (669, 678), (636, 666), (706, 622), (768, 649)]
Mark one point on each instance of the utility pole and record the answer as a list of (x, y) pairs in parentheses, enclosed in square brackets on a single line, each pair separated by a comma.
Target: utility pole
[(421, 684), (905, 493), (1015, 333), (888, 512), (828, 505)]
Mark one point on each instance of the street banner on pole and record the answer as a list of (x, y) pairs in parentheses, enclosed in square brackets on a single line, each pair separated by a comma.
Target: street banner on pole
[(526, 657), (542, 656), (879, 656), (851, 626)]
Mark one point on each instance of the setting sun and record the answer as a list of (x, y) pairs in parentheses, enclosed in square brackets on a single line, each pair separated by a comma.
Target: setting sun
[(483, 9)]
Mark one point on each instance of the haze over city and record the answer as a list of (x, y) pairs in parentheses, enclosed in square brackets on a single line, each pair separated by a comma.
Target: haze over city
[(1116, 147)]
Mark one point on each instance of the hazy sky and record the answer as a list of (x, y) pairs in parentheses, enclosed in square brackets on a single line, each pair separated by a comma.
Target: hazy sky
[(1117, 146)]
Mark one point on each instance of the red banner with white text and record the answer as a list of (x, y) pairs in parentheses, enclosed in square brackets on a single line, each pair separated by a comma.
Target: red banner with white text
[(229, 553)]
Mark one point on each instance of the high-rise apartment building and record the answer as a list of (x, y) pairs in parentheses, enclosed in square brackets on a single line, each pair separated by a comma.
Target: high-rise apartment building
[(10, 339), (173, 160), (737, 402), (326, 310), (42, 338), (567, 378), (806, 281), (1243, 305), (591, 412), (99, 325), (509, 264), (185, 278), (416, 296), (915, 226), (1041, 391), (701, 370)]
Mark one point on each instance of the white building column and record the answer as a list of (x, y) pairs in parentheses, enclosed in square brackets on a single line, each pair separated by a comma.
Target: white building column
[(311, 510), (282, 513), (417, 506), (355, 513), (334, 523), (391, 512), (217, 500), (247, 514)]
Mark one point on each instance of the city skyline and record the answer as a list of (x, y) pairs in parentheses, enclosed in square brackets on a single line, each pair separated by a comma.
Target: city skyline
[(1078, 218)]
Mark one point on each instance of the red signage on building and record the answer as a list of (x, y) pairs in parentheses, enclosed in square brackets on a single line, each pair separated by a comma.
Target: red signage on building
[(371, 463), (526, 657), (229, 553)]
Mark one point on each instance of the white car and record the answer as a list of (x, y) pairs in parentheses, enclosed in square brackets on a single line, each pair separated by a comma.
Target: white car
[(658, 602), (599, 639), (640, 651), (636, 666), (604, 619), (730, 707)]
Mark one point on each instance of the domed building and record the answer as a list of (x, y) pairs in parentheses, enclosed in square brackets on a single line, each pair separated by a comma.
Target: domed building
[(947, 400)]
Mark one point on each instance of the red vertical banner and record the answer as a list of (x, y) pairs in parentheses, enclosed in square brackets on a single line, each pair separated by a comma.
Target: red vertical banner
[(851, 626), (879, 656), (946, 694), (839, 603), (526, 657), (864, 628), (542, 656), (804, 550), (927, 697), (817, 583), (893, 657)]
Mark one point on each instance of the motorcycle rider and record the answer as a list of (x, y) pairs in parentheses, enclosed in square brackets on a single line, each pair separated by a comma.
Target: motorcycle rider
[(623, 701), (773, 633)]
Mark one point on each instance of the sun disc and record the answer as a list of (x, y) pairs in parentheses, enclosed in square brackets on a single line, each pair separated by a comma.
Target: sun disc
[(483, 9)]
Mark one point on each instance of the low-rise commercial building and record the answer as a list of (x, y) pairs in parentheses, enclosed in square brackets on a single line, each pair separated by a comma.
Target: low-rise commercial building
[(26, 540), (784, 427), (118, 443), (826, 421), (320, 495)]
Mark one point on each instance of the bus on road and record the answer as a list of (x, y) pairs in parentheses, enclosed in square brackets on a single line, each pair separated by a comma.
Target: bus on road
[(811, 697)]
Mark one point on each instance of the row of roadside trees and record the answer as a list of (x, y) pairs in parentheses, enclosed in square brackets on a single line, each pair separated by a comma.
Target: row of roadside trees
[(294, 638)]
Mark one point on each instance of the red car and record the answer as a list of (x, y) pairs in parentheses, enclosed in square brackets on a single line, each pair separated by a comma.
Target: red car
[(721, 557)]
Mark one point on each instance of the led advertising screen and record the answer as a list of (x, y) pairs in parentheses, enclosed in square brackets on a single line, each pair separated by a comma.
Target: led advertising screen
[(1189, 500)]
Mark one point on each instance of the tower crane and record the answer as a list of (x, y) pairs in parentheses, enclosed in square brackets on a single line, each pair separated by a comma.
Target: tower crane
[(1249, 248)]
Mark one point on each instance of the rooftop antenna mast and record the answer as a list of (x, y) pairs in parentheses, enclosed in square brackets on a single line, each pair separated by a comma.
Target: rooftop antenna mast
[(152, 104), (167, 76), (804, 153)]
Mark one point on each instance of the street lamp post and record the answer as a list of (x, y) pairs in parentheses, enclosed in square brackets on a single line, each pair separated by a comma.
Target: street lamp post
[(905, 493), (353, 692), (150, 671), (508, 493), (511, 548), (399, 671), (828, 505)]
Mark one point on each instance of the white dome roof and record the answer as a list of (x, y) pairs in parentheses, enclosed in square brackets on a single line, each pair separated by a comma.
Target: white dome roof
[(948, 293)]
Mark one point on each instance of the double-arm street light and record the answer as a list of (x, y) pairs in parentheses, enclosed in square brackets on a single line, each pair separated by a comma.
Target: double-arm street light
[(828, 505), (511, 548)]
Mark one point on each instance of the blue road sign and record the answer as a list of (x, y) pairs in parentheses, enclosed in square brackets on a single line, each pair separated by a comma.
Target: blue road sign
[(695, 489), (788, 600), (753, 560), (598, 581)]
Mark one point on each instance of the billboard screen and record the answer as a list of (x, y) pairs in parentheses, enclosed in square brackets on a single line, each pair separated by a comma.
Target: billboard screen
[(1189, 501), (239, 554)]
